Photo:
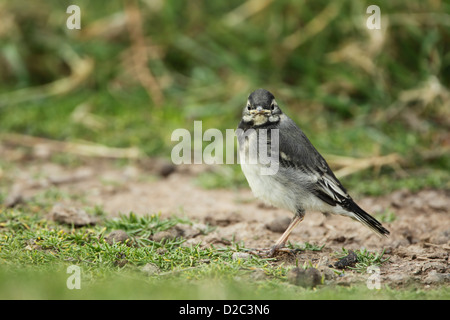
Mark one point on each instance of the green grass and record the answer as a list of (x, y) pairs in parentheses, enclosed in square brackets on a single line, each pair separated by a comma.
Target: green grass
[(35, 255), (305, 246), (127, 284), (387, 216), (365, 259)]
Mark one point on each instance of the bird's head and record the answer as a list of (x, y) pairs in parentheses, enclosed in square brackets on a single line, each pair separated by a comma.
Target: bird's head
[(261, 109)]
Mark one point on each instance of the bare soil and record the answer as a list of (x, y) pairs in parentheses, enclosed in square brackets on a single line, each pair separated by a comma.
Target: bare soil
[(418, 247)]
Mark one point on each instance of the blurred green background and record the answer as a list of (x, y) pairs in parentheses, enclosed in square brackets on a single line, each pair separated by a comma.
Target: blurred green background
[(137, 70)]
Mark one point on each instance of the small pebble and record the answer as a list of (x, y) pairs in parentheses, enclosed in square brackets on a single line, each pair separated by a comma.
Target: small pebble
[(166, 235), (308, 278), (150, 269), (437, 278), (348, 261), (278, 224), (117, 236), (71, 216), (240, 255)]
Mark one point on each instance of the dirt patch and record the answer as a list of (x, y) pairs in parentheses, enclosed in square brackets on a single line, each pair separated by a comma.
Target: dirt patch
[(418, 247)]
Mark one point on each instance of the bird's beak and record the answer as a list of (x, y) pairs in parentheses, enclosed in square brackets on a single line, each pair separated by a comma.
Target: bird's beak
[(258, 110)]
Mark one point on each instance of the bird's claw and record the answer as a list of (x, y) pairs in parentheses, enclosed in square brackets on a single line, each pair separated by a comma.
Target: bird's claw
[(271, 252)]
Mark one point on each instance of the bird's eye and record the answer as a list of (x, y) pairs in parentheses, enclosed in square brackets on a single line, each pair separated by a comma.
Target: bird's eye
[(248, 107), (272, 107)]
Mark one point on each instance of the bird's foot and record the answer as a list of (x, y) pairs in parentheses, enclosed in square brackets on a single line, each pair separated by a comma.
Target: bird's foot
[(272, 251)]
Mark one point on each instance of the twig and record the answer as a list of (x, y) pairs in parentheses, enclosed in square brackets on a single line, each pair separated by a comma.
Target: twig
[(139, 53), (88, 150), (244, 11), (423, 95), (352, 165), (316, 25), (80, 69)]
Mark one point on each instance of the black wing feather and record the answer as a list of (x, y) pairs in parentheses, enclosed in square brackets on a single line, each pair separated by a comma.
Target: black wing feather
[(301, 154)]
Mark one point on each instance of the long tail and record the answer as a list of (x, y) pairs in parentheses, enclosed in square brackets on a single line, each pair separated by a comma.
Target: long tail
[(367, 219)]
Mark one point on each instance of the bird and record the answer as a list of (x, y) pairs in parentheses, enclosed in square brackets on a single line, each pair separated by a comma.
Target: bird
[(301, 179)]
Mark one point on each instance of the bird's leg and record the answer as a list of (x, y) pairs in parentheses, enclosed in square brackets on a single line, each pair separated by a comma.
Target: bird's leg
[(279, 245), (284, 237)]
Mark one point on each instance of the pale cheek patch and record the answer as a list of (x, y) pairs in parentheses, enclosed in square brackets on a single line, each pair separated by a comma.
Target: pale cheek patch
[(274, 118), (247, 118)]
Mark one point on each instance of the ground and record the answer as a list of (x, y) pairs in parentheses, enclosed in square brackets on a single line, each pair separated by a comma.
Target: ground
[(418, 246)]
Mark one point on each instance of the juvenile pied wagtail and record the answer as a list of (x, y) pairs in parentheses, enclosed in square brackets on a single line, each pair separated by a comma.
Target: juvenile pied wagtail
[(303, 181)]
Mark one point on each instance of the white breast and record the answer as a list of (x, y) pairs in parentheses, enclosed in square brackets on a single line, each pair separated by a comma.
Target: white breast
[(287, 189), (265, 187)]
